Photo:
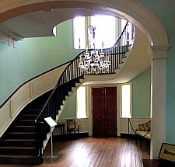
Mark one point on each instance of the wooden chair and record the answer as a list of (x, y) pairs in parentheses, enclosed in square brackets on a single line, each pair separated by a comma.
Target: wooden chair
[(72, 126)]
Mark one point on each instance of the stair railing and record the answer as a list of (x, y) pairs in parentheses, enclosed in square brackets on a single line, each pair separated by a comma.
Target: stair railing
[(71, 76)]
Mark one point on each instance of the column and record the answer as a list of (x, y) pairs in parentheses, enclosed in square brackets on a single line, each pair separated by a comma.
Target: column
[(158, 99)]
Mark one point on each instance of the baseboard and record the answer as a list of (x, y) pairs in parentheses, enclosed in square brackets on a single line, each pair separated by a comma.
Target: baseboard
[(70, 136), (157, 163), (128, 136)]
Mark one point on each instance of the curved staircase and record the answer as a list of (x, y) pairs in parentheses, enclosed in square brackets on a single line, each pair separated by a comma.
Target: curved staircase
[(18, 144), (22, 142), (26, 138)]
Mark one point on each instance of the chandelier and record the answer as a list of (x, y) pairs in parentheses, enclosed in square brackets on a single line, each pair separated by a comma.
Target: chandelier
[(94, 61)]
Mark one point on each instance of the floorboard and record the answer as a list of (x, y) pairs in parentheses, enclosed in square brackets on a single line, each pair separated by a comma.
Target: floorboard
[(95, 152)]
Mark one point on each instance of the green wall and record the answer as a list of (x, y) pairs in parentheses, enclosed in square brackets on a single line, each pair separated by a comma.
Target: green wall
[(164, 10), (32, 57), (69, 110), (141, 95), (141, 98)]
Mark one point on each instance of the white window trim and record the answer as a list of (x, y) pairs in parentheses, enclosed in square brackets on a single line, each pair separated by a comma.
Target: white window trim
[(118, 29), (129, 116), (79, 105)]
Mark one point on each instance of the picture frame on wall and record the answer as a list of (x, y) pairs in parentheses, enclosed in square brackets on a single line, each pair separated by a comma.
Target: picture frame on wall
[(167, 152)]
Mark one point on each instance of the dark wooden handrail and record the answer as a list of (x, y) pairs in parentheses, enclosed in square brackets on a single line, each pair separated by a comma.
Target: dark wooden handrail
[(72, 74), (121, 35)]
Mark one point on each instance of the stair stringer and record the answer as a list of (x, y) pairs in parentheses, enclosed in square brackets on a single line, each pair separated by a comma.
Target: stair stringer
[(73, 90)]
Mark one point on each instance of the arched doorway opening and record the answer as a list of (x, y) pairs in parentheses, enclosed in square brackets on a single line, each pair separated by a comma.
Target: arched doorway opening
[(142, 18)]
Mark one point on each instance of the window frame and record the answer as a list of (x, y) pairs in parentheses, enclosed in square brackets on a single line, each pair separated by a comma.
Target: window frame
[(80, 106), (129, 115), (117, 30)]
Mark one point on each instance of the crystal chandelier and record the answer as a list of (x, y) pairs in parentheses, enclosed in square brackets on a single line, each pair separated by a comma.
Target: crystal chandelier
[(94, 61)]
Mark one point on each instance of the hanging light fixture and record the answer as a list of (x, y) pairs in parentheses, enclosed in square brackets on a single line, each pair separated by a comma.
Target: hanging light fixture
[(94, 61)]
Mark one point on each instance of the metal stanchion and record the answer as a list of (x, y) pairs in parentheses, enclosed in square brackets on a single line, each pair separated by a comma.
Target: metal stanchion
[(52, 124)]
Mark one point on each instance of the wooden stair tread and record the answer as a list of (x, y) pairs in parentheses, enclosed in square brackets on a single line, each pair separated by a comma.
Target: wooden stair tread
[(14, 148), (18, 140), (18, 144), (23, 126), (17, 147), (28, 120), (22, 133), (16, 156)]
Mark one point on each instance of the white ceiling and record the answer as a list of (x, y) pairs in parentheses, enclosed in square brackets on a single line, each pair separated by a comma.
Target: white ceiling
[(41, 23)]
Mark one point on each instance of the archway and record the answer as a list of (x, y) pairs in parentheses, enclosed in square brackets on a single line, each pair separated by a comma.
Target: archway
[(142, 18)]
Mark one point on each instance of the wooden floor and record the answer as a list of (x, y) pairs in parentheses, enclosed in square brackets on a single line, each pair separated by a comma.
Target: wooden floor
[(95, 152)]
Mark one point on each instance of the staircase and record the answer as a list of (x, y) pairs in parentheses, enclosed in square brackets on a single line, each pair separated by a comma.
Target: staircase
[(27, 137), (22, 143), (18, 144)]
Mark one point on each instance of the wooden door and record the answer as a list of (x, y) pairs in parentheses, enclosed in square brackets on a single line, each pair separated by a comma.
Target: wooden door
[(98, 112), (110, 111), (104, 111)]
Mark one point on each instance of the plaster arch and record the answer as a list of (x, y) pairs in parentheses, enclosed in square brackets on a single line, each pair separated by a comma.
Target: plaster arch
[(136, 13), (132, 10)]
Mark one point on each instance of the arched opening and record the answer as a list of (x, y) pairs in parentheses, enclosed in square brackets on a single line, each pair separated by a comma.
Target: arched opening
[(140, 17)]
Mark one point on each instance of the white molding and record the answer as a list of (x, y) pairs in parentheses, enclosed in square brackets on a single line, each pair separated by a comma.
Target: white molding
[(158, 101)]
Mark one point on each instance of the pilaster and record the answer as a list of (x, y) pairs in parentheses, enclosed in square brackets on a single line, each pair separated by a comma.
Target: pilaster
[(158, 99)]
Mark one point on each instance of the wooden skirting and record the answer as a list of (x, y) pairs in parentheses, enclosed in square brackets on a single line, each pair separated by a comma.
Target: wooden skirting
[(70, 136)]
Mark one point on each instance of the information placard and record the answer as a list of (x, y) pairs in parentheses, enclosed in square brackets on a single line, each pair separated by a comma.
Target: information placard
[(50, 121)]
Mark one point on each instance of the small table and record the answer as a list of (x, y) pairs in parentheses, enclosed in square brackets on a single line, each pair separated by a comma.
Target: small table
[(61, 125)]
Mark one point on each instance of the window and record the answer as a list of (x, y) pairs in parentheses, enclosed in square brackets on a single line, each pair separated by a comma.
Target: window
[(79, 32), (105, 31), (81, 102), (129, 34), (126, 101), (54, 31), (93, 32)]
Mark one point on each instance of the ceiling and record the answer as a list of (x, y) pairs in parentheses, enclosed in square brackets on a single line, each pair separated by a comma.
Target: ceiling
[(41, 23)]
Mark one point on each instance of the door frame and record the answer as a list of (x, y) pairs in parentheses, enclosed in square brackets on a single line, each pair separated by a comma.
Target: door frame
[(90, 102)]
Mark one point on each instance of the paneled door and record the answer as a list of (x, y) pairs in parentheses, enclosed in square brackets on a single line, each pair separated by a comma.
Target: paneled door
[(104, 111)]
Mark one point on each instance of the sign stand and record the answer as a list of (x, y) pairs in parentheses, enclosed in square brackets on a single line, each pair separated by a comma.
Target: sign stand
[(52, 124)]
